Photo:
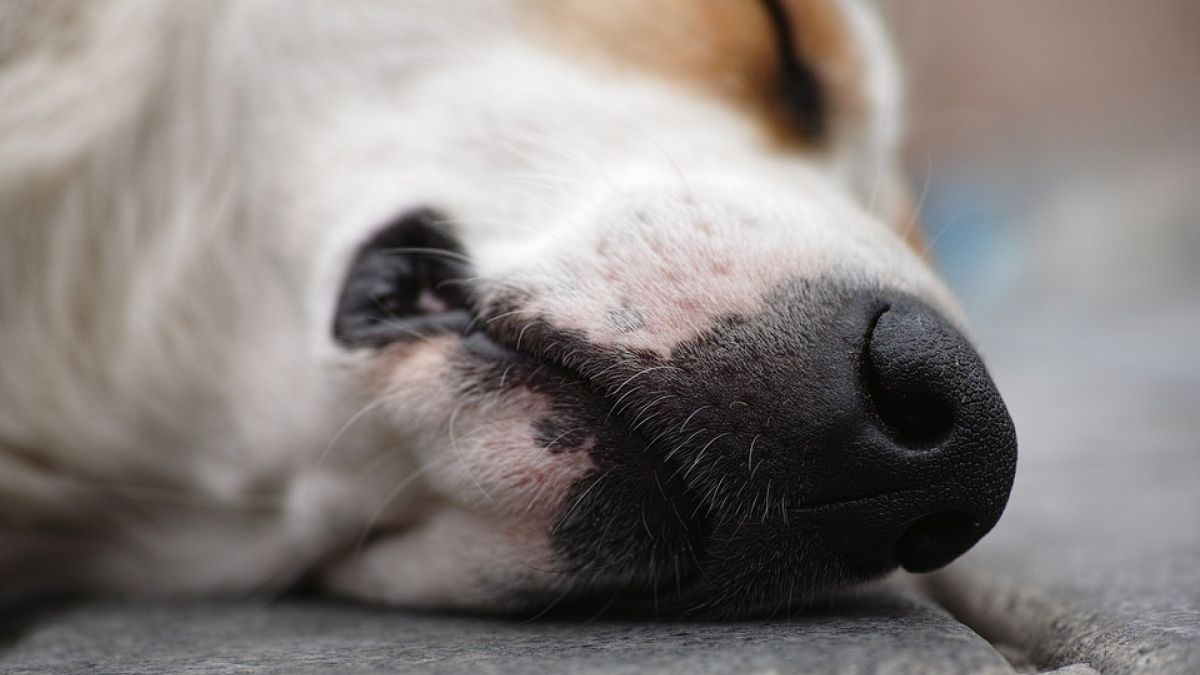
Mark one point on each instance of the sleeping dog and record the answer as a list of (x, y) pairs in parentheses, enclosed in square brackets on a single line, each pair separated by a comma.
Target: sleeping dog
[(485, 305)]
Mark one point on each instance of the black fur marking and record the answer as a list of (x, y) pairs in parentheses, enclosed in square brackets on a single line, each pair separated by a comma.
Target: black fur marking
[(643, 528), (411, 261)]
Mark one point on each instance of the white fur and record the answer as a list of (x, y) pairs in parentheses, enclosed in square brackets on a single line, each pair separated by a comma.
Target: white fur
[(182, 186)]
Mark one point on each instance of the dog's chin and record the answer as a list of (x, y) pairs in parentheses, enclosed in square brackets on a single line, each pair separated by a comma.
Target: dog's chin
[(696, 563)]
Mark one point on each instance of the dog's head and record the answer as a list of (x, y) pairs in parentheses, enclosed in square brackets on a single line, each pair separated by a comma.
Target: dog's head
[(651, 321), (603, 302)]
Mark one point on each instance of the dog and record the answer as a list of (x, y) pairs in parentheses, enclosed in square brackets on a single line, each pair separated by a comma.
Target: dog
[(484, 305)]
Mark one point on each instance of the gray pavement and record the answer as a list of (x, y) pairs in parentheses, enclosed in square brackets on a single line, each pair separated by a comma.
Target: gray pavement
[(887, 630), (1097, 559)]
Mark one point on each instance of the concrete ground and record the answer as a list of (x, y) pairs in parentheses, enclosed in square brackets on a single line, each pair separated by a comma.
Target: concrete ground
[(1078, 258)]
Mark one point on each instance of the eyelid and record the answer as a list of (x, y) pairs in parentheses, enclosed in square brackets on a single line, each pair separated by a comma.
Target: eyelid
[(798, 88)]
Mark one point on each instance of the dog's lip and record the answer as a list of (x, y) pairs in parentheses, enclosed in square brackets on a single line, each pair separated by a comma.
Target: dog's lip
[(504, 339), (528, 350), (486, 338), (507, 321), (673, 599), (827, 504), (480, 343)]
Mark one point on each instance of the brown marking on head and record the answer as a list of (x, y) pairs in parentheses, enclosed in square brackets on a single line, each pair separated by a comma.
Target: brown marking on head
[(733, 50), (824, 42)]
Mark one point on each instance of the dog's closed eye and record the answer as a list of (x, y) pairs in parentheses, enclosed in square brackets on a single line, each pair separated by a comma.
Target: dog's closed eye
[(404, 284), (797, 88)]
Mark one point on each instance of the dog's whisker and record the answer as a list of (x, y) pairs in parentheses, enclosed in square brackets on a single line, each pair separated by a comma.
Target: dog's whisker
[(566, 591), (354, 419), (476, 281), (546, 448), (916, 210), (941, 231), (699, 458), (639, 417), (454, 441), (766, 503), (498, 317), (392, 495), (439, 252), (690, 417), (579, 500), (683, 444), (570, 148), (622, 397), (112, 489), (484, 427), (526, 327), (750, 456)]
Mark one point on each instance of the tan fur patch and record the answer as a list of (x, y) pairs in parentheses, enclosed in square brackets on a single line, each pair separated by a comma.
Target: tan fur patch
[(823, 41), (725, 48)]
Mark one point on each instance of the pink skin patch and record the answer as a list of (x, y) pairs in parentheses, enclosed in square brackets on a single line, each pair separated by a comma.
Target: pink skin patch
[(656, 272), (478, 450)]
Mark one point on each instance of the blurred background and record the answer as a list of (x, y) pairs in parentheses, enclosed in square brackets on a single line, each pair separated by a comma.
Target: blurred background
[(1057, 148), (1060, 144)]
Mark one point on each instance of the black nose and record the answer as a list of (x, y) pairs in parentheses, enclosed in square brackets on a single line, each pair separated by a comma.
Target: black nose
[(836, 434), (928, 391), (859, 419)]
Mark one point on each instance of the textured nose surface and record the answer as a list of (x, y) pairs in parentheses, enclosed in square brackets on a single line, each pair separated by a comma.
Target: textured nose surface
[(932, 397)]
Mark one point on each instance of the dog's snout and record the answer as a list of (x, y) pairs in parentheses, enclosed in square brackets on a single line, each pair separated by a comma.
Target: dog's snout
[(863, 413), (928, 391), (840, 431)]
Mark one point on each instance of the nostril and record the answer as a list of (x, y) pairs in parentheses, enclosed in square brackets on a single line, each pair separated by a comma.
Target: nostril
[(933, 541), (909, 404), (946, 435)]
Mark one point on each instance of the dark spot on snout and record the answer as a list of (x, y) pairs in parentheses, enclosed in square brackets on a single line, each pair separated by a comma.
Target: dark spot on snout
[(635, 508), (835, 436)]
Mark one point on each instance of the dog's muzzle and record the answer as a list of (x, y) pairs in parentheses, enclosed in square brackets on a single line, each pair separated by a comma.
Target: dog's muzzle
[(833, 437), (838, 433)]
